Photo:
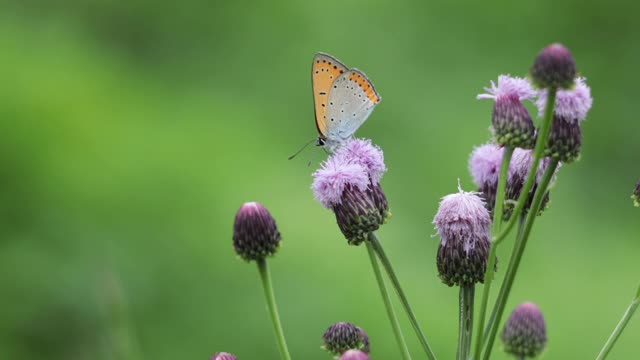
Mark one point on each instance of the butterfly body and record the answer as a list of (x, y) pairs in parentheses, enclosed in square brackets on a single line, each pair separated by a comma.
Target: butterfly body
[(343, 99)]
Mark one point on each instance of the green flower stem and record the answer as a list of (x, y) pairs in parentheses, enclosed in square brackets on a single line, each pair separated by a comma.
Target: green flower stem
[(387, 303), (541, 143), (519, 249), (273, 309), (466, 321), (620, 327), (523, 218), (377, 246), (490, 271)]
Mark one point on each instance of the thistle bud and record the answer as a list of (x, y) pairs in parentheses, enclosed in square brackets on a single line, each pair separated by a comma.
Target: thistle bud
[(354, 355), (463, 224), (636, 195), (349, 184), (344, 336), (520, 167), (255, 234), (525, 333), (554, 68), (512, 123), (223, 356), (484, 164)]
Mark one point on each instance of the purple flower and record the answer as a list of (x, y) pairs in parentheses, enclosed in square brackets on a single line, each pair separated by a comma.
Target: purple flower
[(509, 86), (512, 123), (463, 224), (572, 105), (521, 165), (255, 234), (354, 355), (224, 356), (485, 163), (343, 336), (333, 177), (554, 67), (348, 183), (525, 333), (362, 152)]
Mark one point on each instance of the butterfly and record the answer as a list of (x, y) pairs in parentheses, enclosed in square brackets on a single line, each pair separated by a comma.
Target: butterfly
[(343, 99)]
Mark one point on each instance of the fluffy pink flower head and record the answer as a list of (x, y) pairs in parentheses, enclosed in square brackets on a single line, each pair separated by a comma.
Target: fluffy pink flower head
[(462, 217), (509, 86), (521, 165), (364, 153), (572, 105), (354, 355), (333, 176), (223, 356), (484, 164)]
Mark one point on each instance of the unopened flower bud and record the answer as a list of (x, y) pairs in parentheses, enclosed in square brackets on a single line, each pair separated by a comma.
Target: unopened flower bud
[(554, 68), (525, 333), (255, 234), (344, 336)]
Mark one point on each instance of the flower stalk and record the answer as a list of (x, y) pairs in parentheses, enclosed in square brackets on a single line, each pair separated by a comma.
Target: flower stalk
[(620, 327), (520, 246), (377, 246), (466, 320), (273, 309), (489, 274), (395, 325)]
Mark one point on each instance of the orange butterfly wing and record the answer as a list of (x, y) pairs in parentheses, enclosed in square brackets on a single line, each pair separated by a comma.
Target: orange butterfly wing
[(324, 71)]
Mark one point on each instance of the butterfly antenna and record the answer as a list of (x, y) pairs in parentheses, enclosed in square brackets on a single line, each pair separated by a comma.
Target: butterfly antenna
[(302, 148)]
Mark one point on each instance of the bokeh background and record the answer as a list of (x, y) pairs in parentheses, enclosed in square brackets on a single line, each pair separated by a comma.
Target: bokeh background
[(131, 132)]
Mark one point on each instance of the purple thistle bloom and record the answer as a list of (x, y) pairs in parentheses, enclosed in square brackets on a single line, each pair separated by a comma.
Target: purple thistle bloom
[(554, 67), (525, 333), (348, 183), (572, 105), (255, 233), (334, 176), (512, 123), (509, 86), (224, 356), (365, 154), (343, 336), (521, 162), (354, 355), (463, 224), (484, 165)]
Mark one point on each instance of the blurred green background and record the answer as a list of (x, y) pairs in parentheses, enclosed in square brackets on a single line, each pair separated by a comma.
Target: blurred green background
[(131, 132)]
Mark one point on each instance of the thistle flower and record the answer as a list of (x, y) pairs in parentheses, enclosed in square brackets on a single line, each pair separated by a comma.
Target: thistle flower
[(573, 104), (354, 355), (365, 154), (636, 195), (344, 336), (463, 224), (554, 67), (484, 164), (255, 234), (512, 123), (525, 333), (348, 183), (224, 356)]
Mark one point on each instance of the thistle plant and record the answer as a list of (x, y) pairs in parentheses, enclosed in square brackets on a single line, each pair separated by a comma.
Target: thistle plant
[(513, 173), (463, 225), (255, 237)]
